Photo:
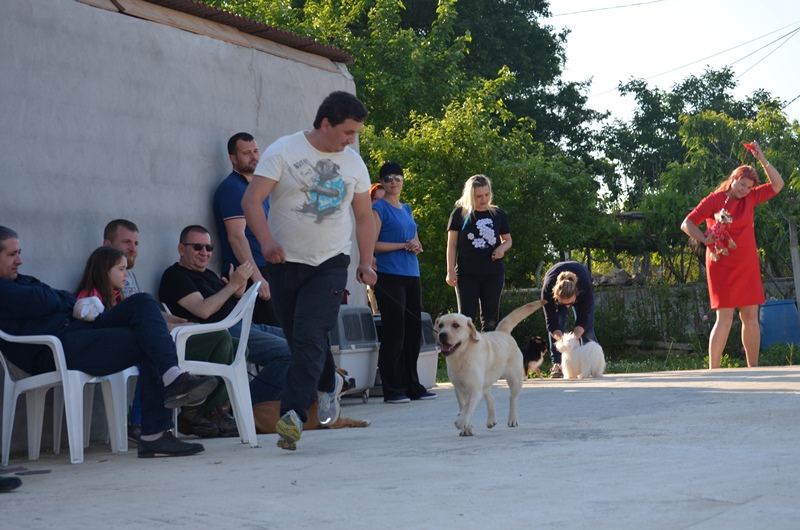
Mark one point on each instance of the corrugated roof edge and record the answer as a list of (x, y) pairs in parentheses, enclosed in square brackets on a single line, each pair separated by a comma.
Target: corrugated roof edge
[(258, 29)]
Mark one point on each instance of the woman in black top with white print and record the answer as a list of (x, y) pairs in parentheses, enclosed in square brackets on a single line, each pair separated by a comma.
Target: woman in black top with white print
[(477, 239)]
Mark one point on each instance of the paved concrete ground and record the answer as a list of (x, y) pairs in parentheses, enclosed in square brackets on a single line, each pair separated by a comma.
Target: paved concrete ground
[(695, 449)]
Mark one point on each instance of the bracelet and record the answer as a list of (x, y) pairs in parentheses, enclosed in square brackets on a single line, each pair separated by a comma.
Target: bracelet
[(765, 166)]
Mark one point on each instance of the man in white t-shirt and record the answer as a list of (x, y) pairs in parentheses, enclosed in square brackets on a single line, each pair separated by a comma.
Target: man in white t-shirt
[(313, 178)]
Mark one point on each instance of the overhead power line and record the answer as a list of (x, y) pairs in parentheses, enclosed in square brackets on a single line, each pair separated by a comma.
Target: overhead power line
[(792, 34), (789, 34), (604, 8), (792, 101)]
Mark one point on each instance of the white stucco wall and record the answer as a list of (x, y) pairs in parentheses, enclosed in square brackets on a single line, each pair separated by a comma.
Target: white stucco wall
[(106, 115)]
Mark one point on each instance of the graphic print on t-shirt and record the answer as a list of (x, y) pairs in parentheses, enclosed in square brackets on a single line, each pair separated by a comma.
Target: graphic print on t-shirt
[(485, 238), (323, 185)]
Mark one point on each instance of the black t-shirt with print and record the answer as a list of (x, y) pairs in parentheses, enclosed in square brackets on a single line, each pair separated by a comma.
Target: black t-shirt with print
[(478, 239)]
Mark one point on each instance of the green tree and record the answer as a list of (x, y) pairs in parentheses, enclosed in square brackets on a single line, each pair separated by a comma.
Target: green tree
[(511, 35), (645, 146)]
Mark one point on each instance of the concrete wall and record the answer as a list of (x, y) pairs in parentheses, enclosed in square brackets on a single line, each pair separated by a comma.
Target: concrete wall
[(105, 115)]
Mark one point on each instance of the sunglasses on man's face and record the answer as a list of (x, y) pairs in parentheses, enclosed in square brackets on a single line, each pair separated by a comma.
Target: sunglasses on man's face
[(389, 178), (199, 246)]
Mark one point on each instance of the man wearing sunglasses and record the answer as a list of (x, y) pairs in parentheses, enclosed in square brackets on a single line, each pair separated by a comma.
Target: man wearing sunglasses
[(209, 419), (193, 291)]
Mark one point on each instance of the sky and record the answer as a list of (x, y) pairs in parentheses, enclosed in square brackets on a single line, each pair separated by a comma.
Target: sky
[(666, 41)]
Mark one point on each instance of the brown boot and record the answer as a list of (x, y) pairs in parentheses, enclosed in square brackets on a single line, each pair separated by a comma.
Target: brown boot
[(192, 421), (221, 416)]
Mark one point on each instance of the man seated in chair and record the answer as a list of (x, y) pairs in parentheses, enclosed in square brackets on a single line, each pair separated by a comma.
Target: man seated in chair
[(191, 290), (100, 343), (209, 419)]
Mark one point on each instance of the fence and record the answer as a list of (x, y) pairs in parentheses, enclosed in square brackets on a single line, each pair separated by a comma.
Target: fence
[(650, 317)]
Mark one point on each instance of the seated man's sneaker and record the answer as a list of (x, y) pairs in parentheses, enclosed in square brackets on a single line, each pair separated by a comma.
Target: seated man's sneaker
[(290, 428), (188, 390), (328, 403), (168, 445)]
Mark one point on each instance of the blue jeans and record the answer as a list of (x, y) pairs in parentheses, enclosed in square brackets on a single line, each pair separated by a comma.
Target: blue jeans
[(132, 332), (588, 334), (307, 301), (267, 349)]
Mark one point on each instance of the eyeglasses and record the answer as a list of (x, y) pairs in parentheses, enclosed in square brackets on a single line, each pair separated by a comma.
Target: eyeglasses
[(199, 246), (389, 178), (479, 182)]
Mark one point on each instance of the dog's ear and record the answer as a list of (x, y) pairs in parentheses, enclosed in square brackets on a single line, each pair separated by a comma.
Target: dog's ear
[(473, 331)]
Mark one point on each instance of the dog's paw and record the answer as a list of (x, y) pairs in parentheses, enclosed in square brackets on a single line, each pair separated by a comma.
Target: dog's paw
[(512, 422), (490, 424), (464, 426)]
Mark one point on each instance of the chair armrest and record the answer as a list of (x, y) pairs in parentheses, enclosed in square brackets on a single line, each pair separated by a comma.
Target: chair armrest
[(51, 341)]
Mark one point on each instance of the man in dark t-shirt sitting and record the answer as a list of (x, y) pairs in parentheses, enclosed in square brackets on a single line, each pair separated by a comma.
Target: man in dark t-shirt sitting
[(192, 291)]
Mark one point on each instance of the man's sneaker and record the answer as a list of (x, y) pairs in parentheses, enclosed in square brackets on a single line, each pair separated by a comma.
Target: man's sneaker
[(555, 372), (168, 445), (134, 432), (188, 390), (397, 399), (428, 395), (290, 428), (328, 402)]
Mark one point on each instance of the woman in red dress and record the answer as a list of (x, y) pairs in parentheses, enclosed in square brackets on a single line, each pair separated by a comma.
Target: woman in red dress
[(734, 280)]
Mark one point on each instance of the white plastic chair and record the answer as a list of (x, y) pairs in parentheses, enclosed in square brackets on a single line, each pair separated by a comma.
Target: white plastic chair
[(70, 394), (234, 374), (120, 405)]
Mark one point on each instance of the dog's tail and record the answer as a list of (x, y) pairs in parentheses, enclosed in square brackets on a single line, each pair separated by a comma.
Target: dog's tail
[(518, 315)]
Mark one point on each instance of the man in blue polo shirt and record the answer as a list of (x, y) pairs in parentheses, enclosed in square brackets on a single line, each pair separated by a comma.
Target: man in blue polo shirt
[(239, 245)]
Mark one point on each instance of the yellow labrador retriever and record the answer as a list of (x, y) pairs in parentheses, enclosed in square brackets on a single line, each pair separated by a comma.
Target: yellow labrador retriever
[(476, 360)]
